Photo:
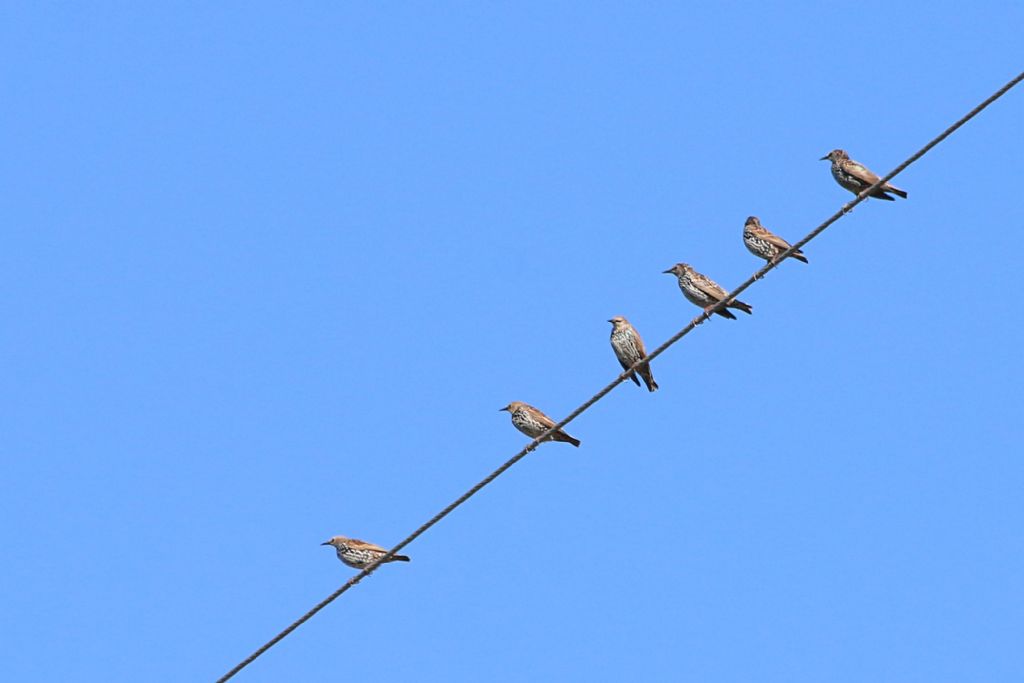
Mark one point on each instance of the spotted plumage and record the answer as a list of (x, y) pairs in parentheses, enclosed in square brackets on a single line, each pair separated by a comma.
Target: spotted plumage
[(629, 348), (704, 292), (856, 177), (762, 243), (533, 423), (359, 554)]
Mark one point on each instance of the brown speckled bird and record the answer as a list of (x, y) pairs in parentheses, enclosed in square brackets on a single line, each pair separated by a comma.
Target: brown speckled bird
[(533, 423), (762, 243), (856, 177), (703, 291), (629, 348), (359, 554)]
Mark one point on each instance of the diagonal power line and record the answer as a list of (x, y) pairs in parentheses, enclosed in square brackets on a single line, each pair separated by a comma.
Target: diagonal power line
[(623, 376)]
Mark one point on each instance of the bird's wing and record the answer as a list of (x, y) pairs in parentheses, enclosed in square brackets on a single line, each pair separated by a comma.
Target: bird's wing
[(776, 240), (363, 545), (709, 286), (546, 421), (861, 173), (639, 344)]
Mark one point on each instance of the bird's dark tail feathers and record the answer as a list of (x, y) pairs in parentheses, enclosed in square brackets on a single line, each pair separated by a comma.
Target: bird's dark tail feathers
[(799, 256), (726, 314), (645, 372), (896, 191), (562, 436), (746, 308), (399, 558), (880, 194)]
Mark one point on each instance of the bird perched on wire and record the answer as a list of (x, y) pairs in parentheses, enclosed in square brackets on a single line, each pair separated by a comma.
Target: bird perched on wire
[(629, 348), (704, 292), (856, 177), (533, 423), (763, 243), (359, 554)]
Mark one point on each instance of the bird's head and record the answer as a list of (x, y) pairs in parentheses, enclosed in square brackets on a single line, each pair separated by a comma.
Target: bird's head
[(753, 221), (835, 155), (511, 407), (677, 269), (335, 541), (618, 321)]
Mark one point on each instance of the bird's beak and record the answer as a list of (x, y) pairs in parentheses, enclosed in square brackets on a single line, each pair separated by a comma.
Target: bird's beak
[(502, 409), (668, 271), (824, 158), (612, 322), (326, 543)]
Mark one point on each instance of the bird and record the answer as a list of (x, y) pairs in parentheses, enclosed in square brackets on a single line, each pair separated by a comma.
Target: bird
[(359, 554), (762, 243), (705, 292), (533, 423), (856, 177), (629, 348)]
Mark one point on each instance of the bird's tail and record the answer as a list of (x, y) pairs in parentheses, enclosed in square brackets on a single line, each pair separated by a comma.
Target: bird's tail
[(896, 191), (746, 308), (881, 194), (799, 256), (645, 372), (725, 313), (562, 436), (399, 558)]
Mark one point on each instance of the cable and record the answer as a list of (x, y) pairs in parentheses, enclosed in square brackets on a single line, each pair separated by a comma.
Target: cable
[(846, 208)]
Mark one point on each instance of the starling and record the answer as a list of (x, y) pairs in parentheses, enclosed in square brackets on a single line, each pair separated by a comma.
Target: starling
[(856, 178), (762, 243), (703, 291), (533, 423), (359, 554), (629, 348)]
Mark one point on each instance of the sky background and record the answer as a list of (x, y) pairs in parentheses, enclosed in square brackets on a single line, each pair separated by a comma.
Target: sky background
[(269, 272)]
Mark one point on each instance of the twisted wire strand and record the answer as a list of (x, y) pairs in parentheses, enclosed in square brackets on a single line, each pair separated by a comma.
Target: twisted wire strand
[(623, 376)]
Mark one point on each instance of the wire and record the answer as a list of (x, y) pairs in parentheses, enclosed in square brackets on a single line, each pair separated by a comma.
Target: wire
[(623, 376)]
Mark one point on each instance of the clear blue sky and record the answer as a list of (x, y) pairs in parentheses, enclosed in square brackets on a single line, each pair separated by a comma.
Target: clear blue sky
[(268, 274)]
